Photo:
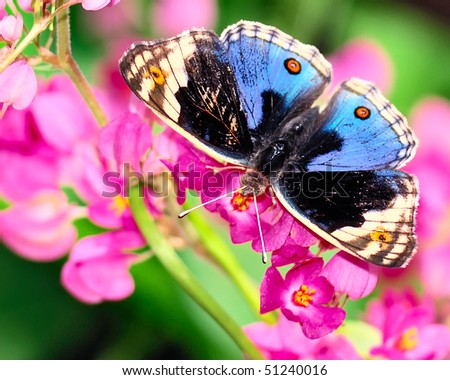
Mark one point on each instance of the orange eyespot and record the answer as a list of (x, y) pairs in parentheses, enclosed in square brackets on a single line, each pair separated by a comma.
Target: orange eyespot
[(362, 113), (157, 75), (381, 237), (292, 66)]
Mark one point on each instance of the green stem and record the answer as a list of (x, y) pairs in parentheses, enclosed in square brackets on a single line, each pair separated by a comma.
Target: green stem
[(175, 266), (69, 65), (63, 49), (39, 26), (77, 77), (223, 256)]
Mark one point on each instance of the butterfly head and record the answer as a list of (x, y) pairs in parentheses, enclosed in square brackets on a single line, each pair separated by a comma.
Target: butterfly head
[(254, 183)]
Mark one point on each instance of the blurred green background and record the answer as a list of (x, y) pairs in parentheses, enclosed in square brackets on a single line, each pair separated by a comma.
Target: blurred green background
[(39, 320)]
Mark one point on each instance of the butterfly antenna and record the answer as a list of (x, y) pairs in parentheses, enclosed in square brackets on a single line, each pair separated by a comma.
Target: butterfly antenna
[(258, 219), (185, 212)]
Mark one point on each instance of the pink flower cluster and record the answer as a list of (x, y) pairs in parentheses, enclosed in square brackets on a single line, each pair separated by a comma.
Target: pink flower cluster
[(310, 294), (406, 327), (54, 143), (18, 83)]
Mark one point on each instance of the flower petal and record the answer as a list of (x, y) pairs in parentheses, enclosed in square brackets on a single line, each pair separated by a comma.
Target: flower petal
[(276, 224), (33, 172), (95, 5), (40, 228), (11, 27), (303, 273), (272, 287), (434, 343), (290, 253), (99, 279), (350, 275), (106, 244), (324, 291), (98, 269), (125, 140), (18, 85), (264, 336), (316, 320)]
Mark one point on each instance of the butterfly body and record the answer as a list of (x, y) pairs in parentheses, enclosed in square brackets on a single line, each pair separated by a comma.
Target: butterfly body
[(247, 97)]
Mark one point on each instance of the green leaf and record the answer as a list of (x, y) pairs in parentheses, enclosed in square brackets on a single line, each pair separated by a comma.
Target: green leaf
[(4, 204)]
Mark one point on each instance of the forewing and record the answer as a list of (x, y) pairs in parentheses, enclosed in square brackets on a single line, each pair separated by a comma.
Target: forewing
[(188, 82), (276, 74)]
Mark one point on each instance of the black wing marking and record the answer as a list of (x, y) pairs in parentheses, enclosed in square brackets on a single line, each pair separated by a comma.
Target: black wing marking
[(370, 214), (188, 82)]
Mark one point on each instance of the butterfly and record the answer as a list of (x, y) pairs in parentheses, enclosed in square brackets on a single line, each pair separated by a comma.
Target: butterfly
[(247, 98)]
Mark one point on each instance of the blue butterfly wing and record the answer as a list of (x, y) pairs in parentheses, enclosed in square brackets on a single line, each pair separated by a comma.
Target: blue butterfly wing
[(339, 179), (359, 130), (276, 74)]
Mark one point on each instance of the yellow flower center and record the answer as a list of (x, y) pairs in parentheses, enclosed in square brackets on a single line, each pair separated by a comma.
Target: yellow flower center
[(240, 202), (409, 340), (119, 205), (303, 296)]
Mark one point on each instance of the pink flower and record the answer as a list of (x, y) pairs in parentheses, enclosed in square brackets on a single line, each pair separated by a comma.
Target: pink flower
[(408, 327), (350, 275), (430, 165), (40, 228), (25, 5), (40, 145), (18, 85), (95, 5), (290, 253), (285, 341), (25, 159), (55, 142), (171, 17), (62, 116), (434, 267), (278, 225), (302, 297), (431, 161), (112, 212), (125, 140), (123, 144), (113, 23), (365, 59), (11, 27), (189, 166), (98, 267)]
